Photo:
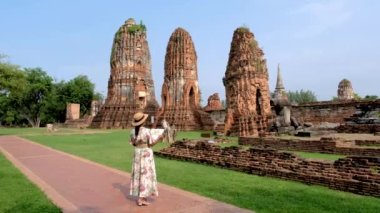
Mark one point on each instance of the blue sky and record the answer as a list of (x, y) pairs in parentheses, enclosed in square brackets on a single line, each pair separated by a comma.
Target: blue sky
[(317, 43)]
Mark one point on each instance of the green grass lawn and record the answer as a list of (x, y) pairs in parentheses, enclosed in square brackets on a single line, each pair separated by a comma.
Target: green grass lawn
[(305, 155), (43, 131), (18, 194), (261, 194), (375, 146), (317, 156), (21, 131)]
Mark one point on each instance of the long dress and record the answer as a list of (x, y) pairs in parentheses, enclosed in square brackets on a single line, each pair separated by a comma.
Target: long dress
[(143, 178)]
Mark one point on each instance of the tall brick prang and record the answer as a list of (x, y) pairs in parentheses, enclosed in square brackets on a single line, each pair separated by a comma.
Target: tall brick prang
[(130, 86), (247, 89), (180, 92)]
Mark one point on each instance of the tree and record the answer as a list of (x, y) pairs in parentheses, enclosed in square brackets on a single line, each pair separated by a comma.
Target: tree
[(35, 97), (56, 106), (79, 90), (98, 96), (301, 97), (371, 97), (12, 81), (30, 96), (11, 77), (357, 97)]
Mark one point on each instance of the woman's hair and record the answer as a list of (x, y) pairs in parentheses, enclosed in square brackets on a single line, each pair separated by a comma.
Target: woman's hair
[(137, 129)]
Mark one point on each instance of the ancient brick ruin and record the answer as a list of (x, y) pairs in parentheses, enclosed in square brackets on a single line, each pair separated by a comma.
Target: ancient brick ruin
[(72, 111), (95, 107), (345, 91), (356, 116), (213, 103), (326, 145), (74, 118), (246, 84), (360, 175), (216, 112), (130, 86), (248, 106), (280, 105), (180, 93)]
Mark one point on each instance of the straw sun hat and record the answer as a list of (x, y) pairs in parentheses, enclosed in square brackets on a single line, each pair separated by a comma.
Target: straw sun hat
[(139, 118)]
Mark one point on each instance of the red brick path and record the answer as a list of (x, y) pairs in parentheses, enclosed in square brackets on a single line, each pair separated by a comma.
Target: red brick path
[(78, 185)]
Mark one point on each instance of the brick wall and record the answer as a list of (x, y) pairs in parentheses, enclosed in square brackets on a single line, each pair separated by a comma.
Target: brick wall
[(330, 111), (358, 175), (324, 145), (358, 128), (319, 112), (367, 142)]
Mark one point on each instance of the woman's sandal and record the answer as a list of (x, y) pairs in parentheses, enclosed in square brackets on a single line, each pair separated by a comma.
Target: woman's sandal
[(142, 203)]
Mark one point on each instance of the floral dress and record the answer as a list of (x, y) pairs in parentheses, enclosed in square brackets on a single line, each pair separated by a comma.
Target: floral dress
[(143, 178)]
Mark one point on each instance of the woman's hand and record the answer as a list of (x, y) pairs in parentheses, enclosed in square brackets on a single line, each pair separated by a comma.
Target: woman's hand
[(132, 141)]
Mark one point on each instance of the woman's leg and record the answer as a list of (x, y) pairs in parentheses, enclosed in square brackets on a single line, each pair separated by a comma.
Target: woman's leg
[(145, 200)]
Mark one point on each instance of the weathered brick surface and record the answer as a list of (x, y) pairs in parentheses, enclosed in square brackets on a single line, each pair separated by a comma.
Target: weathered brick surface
[(367, 142), (358, 175), (330, 111), (180, 92), (358, 128), (130, 86), (213, 103), (345, 91), (247, 90), (324, 145)]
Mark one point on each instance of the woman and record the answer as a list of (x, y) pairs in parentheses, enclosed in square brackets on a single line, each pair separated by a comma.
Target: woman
[(143, 180)]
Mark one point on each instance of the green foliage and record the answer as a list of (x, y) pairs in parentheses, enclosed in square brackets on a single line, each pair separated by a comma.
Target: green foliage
[(79, 90), (357, 97), (371, 97), (32, 102), (301, 97), (11, 77), (98, 96), (243, 29), (17, 194), (30, 96), (137, 28), (261, 194)]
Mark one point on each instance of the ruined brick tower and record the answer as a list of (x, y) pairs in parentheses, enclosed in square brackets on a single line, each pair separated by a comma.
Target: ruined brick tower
[(130, 86), (246, 84), (345, 91), (180, 93)]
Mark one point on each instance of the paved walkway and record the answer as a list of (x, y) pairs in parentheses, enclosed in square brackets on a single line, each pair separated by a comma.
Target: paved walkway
[(78, 185)]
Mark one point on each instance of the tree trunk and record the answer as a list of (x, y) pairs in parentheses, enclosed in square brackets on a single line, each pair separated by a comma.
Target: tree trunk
[(38, 122), (31, 122)]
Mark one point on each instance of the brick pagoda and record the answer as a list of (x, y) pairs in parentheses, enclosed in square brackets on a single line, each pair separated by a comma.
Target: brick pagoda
[(180, 93), (130, 86), (246, 84), (345, 91), (213, 103)]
